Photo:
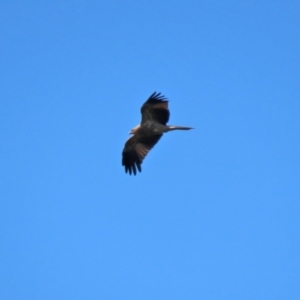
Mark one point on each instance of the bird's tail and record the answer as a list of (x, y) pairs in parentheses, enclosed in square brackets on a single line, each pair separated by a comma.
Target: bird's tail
[(172, 127)]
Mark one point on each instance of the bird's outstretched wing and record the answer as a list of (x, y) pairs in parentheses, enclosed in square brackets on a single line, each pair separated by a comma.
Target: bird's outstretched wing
[(156, 109), (135, 150)]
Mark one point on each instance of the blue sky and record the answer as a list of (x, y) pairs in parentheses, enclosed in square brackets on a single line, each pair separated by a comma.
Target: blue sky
[(214, 213)]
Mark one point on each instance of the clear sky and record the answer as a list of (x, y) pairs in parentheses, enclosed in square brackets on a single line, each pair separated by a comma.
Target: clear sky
[(214, 213)]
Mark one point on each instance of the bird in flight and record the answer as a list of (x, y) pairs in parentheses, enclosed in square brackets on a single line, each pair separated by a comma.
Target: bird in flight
[(155, 116)]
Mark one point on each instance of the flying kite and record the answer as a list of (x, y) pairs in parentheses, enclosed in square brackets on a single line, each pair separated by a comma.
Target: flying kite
[(155, 115)]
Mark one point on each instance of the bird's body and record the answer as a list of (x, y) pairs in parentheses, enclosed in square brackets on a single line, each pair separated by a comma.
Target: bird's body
[(155, 115)]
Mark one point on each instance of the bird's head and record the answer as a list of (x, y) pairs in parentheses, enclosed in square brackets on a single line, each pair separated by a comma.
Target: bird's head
[(135, 129)]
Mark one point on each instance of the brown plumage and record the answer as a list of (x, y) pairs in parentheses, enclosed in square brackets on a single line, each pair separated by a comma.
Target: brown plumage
[(155, 115)]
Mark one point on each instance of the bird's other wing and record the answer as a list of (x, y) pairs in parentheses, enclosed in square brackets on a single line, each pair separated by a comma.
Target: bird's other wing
[(156, 109), (135, 150)]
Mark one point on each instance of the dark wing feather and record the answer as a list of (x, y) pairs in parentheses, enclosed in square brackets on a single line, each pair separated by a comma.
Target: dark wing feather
[(156, 109), (135, 150)]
